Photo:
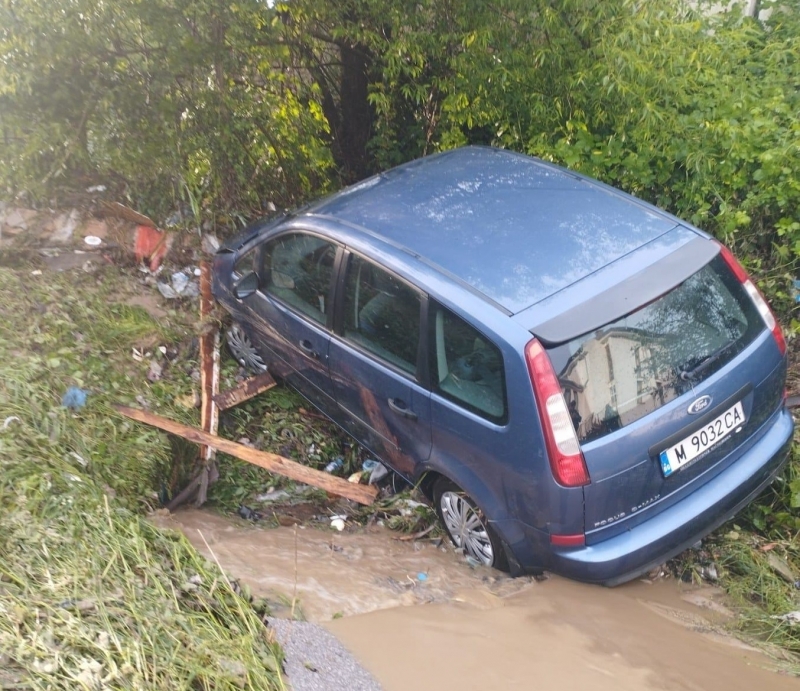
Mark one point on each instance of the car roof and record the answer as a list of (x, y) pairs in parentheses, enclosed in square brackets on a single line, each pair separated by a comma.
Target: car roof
[(512, 227)]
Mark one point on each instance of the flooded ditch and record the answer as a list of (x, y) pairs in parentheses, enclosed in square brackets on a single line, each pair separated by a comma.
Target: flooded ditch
[(419, 617)]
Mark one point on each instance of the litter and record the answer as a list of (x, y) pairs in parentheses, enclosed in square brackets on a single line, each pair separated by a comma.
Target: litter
[(334, 465), (74, 398), (338, 523), (93, 241), (379, 472), (421, 576), (9, 420), (789, 617), (180, 286)]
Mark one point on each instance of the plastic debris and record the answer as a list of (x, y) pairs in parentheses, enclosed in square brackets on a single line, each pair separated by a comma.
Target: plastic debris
[(9, 420), (155, 371), (337, 522), (180, 286), (96, 188), (377, 474), (248, 514), (93, 241), (334, 465), (369, 465), (422, 576), (74, 398), (789, 617), (210, 244), (274, 495), (355, 478)]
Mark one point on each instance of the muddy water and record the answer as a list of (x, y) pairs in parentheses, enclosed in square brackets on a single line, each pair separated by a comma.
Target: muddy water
[(464, 628)]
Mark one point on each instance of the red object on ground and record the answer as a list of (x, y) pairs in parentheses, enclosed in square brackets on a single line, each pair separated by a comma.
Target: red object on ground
[(152, 244)]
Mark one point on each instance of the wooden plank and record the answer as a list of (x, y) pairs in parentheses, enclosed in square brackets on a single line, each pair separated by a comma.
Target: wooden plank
[(245, 391), (363, 494), (209, 363)]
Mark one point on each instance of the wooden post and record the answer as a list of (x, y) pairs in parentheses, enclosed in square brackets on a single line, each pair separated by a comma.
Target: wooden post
[(363, 494)]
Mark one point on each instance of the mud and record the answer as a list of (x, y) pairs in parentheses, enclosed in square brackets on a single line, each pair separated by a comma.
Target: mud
[(420, 617)]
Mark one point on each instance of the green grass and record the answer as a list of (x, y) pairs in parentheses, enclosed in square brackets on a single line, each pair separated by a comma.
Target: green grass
[(91, 594)]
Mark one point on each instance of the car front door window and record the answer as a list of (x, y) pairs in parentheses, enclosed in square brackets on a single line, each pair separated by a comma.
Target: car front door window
[(297, 270)]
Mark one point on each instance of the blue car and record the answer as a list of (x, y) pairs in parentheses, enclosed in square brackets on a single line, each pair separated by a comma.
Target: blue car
[(579, 381)]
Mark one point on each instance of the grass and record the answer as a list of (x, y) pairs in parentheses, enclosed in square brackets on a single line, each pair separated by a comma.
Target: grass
[(91, 594)]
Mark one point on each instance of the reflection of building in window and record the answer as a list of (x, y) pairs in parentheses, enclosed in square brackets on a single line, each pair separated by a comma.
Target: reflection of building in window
[(611, 381)]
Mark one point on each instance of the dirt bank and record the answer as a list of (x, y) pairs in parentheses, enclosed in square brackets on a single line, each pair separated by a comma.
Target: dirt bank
[(471, 628)]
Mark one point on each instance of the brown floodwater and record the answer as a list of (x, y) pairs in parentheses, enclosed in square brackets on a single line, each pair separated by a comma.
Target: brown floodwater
[(419, 617)]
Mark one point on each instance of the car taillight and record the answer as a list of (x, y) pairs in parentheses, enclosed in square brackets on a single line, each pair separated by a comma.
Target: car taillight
[(563, 449), (755, 295)]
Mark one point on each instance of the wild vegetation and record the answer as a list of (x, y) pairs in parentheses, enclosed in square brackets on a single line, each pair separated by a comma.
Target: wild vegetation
[(227, 111)]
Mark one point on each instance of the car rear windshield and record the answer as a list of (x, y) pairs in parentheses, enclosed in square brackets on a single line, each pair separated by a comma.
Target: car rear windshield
[(631, 367)]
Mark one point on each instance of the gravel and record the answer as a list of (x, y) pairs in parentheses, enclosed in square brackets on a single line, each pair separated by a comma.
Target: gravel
[(317, 661)]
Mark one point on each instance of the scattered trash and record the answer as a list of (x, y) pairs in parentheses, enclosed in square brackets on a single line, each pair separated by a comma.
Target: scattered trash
[(81, 460), (96, 188), (210, 244), (369, 465), (9, 420), (355, 478), (421, 576), (93, 241), (796, 284), (407, 506), (379, 472), (272, 496), (789, 617), (249, 514), (337, 522), (155, 371), (180, 286), (710, 572), (36, 272), (334, 465), (74, 398)]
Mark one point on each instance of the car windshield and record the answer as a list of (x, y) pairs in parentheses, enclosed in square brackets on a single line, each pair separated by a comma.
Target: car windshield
[(634, 365)]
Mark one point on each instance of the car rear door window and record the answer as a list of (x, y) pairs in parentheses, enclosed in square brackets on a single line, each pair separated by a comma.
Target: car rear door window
[(381, 314), (297, 270), (467, 367)]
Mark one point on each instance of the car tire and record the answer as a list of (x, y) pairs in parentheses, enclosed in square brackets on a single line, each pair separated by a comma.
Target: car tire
[(467, 526), (243, 350)]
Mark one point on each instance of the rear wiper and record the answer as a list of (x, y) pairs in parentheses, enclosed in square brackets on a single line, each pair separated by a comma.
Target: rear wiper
[(686, 375)]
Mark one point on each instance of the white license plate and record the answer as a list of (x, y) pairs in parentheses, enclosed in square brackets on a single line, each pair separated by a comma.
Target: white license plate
[(686, 450)]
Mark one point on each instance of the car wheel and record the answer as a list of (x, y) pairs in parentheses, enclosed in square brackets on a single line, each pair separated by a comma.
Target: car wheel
[(467, 525), (243, 350)]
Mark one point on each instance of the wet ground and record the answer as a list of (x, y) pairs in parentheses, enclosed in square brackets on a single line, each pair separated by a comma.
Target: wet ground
[(418, 617)]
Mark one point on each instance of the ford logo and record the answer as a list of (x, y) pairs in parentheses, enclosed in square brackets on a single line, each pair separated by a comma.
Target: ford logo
[(699, 405)]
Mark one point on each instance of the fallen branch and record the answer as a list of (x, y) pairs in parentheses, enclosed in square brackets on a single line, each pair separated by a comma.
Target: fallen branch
[(363, 494)]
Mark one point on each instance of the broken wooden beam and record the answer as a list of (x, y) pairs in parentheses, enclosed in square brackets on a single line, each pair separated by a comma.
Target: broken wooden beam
[(245, 391), (363, 494), (209, 365)]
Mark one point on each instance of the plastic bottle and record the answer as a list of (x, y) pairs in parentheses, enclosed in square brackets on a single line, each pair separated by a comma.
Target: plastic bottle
[(334, 465)]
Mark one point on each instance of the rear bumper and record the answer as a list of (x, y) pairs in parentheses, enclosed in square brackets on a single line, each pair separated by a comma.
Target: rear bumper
[(629, 554)]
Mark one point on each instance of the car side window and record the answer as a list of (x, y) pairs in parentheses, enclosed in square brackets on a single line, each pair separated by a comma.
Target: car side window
[(298, 270), (381, 314), (246, 263), (467, 367)]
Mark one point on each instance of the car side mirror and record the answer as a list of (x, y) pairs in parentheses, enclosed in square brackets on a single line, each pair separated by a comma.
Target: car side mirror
[(246, 285)]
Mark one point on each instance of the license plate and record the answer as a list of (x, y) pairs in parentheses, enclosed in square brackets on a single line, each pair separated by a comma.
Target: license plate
[(686, 450)]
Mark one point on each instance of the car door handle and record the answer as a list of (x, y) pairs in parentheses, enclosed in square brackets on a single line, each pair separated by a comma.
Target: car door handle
[(307, 347), (399, 406)]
